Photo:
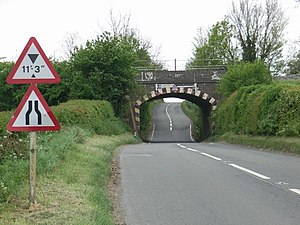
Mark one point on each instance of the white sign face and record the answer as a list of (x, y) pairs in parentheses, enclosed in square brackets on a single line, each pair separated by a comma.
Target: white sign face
[(33, 113), (32, 66)]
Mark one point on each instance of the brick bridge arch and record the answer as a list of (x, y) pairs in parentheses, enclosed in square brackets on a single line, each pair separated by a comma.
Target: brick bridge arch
[(203, 100)]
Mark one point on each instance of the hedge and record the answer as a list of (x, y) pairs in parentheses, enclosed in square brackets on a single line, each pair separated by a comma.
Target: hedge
[(95, 114), (270, 110)]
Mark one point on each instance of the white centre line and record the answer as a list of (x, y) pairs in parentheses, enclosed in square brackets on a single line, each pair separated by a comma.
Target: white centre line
[(250, 171), (297, 191), (211, 156)]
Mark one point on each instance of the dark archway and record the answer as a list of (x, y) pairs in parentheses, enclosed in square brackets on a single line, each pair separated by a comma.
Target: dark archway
[(202, 99)]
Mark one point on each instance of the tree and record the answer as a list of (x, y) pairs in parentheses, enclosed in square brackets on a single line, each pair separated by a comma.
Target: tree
[(216, 47), (70, 44), (104, 69), (244, 74), (293, 64), (119, 26), (10, 95), (259, 30)]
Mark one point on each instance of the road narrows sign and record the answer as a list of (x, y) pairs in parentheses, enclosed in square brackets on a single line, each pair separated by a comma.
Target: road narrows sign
[(33, 113), (33, 66)]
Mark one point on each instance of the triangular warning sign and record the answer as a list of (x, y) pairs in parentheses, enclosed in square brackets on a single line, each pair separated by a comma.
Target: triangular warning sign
[(33, 113), (33, 67)]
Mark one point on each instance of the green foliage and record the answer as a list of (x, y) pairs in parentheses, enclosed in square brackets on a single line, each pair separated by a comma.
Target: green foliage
[(104, 70), (55, 94), (10, 95), (146, 111), (282, 144), (293, 64), (244, 74), (95, 116), (215, 47), (259, 30), (194, 112), (52, 148), (271, 110)]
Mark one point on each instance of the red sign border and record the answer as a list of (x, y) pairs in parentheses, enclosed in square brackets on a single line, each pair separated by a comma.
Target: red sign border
[(32, 88), (10, 79)]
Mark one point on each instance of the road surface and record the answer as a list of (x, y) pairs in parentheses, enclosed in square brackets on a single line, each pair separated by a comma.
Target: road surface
[(207, 183), (170, 124)]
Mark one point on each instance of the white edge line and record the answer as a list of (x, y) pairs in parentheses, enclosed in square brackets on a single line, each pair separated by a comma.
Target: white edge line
[(191, 136), (297, 191), (170, 119), (182, 146), (153, 130), (250, 171), (211, 156), (193, 150)]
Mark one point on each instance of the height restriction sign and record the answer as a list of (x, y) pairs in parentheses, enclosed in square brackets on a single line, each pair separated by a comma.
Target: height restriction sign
[(33, 67)]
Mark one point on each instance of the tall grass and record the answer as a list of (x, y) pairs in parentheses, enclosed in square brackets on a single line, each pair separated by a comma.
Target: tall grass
[(73, 168), (290, 145)]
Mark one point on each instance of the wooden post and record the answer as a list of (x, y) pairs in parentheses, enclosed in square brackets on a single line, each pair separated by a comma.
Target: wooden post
[(32, 175)]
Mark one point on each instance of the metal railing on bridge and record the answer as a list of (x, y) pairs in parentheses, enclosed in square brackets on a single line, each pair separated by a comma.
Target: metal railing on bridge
[(176, 65)]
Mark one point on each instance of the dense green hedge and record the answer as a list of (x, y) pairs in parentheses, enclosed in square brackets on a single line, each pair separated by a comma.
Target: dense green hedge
[(96, 116), (272, 110), (195, 114), (146, 117)]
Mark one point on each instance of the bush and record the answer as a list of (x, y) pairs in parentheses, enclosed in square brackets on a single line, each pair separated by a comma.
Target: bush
[(146, 118), (93, 114), (194, 112), (270, 110), (244, 74)]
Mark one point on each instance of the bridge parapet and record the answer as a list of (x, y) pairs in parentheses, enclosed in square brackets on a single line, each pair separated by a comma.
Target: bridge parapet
[(184, 76), (204, 79)]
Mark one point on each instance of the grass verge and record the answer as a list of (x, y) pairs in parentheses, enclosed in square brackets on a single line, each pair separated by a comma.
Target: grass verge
[(289, 145), (73, 172), (194, 113)]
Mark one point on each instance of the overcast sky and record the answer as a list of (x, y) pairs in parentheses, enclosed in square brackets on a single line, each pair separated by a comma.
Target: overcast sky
[(168, 24)]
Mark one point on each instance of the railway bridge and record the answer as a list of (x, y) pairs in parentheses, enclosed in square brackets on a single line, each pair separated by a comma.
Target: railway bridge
[(196, 85)]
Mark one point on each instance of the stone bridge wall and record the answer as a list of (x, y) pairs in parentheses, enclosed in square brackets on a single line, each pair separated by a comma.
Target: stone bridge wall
[(205, 79)]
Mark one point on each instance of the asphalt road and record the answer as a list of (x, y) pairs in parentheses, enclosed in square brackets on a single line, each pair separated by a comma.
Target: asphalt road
[(208, 183), (170, 124)]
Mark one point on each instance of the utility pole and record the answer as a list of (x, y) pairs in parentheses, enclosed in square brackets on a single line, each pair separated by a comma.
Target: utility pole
[(175, 64)]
